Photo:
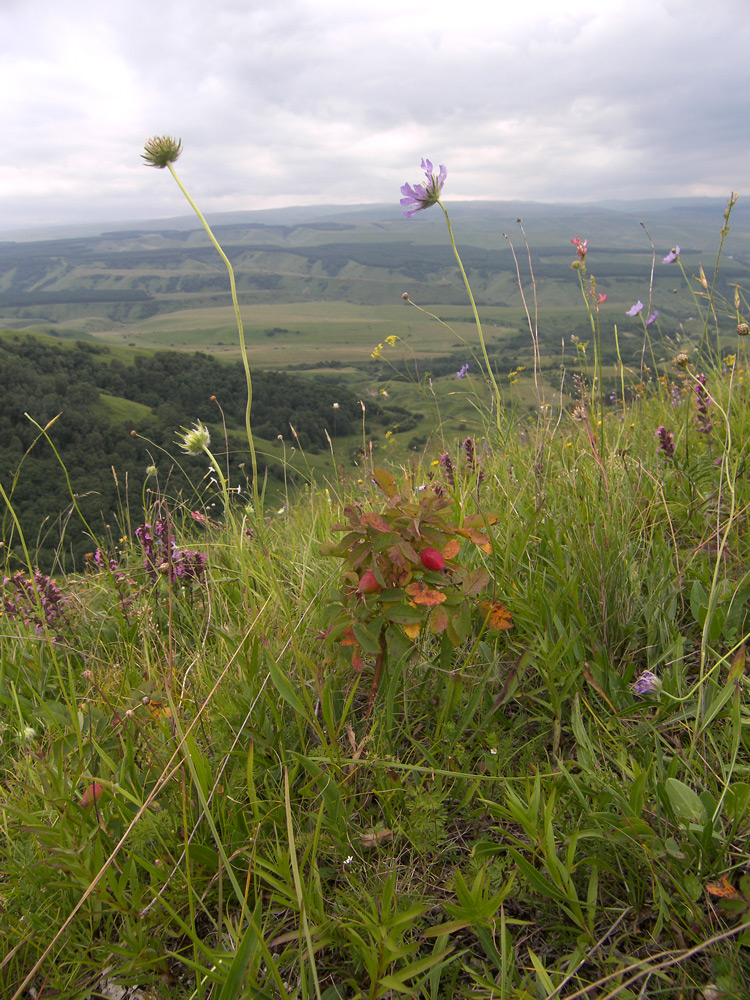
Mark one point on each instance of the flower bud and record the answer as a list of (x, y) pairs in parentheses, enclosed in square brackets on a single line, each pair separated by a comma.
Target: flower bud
[(743, 329), (195, 440), (161, 150)]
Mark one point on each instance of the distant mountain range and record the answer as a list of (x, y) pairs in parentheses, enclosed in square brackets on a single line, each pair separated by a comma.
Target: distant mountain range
[(683, 212)]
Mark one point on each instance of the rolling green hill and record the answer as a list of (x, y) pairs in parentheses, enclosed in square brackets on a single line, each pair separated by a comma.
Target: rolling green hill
[(306, 284)]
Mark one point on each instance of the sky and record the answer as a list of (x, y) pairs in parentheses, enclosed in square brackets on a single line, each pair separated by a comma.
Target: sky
[(307, 102)]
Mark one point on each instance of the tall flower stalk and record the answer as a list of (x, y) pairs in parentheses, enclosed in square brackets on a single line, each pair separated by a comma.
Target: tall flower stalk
[(416, 199), (161, 152)]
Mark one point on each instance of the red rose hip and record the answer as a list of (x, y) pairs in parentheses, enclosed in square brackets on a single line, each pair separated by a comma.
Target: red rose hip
[(368, 584), (432, 559)]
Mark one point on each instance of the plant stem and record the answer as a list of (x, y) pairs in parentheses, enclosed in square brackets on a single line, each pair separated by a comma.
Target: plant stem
[(240, 330), (478, 322)]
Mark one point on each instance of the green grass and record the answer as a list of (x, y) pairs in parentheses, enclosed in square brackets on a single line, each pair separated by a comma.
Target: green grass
[(500, 815)]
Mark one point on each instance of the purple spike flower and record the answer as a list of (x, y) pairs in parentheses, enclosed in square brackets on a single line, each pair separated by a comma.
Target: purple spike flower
[(38, 602), (462, 370), (423, 195), (702, 403), (445, 461), (672, 256), (666, 441), (634, 310)]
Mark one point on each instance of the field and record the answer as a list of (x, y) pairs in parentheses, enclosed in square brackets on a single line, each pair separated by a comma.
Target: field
[(459, 711)]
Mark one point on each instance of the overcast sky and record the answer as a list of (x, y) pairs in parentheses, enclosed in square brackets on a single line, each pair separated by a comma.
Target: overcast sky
[(300, 102)]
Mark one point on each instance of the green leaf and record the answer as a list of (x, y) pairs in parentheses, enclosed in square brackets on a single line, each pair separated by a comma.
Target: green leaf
[(205, 856), (698, 602), (396, 980), (283, 685), (737, 801), (684, 801), (459, 625), (542, 975), (404, 614), (386, 482), (369, 636), (234, 983)]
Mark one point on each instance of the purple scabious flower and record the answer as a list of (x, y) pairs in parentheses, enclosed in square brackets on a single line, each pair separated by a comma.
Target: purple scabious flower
[(462, 370), (647, 683), (652, 317), (666, 441), (423, 196), (634, 310), (672, 256)]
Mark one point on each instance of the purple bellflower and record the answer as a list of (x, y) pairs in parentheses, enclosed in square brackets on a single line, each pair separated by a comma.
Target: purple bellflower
[(423, 195), (672, 256), (634, 310), (652, 317)]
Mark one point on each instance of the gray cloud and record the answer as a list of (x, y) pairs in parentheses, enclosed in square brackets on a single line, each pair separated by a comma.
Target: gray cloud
[(322, 101)]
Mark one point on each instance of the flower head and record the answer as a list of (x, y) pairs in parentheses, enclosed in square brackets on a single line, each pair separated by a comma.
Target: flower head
[(462, 370), (195, 440), (423, 195), (666, 441), (634, 310), (161, 150), (652, 317), (647, 683), (672, 256), (581, 246)]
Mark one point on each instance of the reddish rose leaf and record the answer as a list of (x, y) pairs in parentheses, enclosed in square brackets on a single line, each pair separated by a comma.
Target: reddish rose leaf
[(376, 521), (452, 548), (496, 615), (424, 595), (438, 622)]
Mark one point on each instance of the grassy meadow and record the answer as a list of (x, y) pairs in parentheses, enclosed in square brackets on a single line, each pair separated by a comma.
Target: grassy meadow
[(462, 720)]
